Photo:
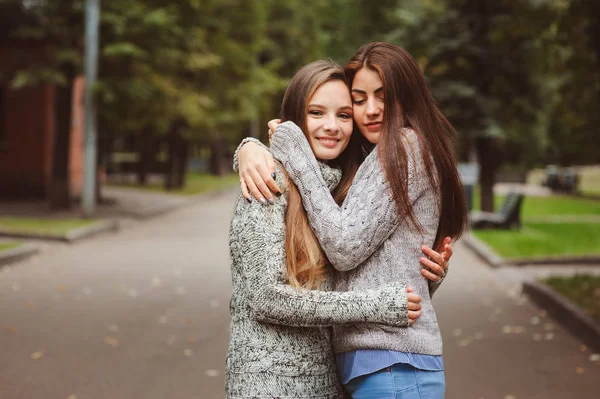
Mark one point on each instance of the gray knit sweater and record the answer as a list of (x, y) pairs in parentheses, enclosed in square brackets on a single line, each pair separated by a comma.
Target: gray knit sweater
[(366, 239), (278, 347)]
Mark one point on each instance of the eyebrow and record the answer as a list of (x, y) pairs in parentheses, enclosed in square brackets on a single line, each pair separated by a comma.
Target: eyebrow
[(364, 92), (346, 107)]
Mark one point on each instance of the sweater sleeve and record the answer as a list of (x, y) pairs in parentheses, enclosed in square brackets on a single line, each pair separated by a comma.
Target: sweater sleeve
[(351, 233), (434, 285), (272, 300)]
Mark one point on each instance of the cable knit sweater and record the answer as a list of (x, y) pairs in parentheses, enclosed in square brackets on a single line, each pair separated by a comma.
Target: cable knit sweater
[(278, 347), (366, 239)]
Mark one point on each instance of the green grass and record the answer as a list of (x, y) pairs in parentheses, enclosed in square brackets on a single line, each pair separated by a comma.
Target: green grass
[(548, 206), (196, 183), (8, 245), (41, 226), (584, 290), (544, 239)]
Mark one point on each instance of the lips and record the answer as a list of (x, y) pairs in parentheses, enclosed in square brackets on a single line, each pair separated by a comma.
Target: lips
[(329, 142), (373, 126)]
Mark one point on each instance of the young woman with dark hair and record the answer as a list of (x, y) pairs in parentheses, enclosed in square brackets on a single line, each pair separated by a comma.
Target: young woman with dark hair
[(280, 299), (402, 191)]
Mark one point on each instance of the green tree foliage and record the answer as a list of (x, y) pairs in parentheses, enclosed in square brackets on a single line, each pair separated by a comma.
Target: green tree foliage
[(518, 78)]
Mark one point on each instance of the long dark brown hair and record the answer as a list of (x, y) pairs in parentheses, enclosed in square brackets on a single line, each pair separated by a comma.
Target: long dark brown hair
[(408, 103), (304, 257)]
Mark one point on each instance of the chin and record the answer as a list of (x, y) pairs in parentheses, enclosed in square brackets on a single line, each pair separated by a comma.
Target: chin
[(327, 154), (372, 137)]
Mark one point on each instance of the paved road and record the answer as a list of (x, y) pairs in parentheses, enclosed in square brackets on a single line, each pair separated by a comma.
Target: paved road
[(143, 314)]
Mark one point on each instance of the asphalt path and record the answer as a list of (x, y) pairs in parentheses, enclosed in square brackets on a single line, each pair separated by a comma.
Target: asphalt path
[(143, 313)]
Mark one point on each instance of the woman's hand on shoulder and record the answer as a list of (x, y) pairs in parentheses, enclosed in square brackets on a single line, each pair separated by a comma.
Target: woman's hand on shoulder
[(257, 173), (437, 262)]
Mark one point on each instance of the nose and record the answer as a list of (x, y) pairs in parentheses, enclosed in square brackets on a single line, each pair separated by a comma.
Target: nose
[(331, 124), (373, 107)]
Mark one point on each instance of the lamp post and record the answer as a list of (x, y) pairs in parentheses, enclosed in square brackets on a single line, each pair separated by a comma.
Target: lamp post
[(90, 173)]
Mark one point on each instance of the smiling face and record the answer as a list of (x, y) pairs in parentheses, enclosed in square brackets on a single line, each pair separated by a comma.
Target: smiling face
[(329, 120), (368, 103)]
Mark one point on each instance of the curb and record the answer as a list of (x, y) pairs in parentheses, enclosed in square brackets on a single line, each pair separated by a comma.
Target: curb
[(72, 235), (565, 312), (483, 251), (21, 252), (94, 229)]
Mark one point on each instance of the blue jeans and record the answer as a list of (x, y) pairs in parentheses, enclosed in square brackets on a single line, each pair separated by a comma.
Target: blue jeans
[(401, 381)]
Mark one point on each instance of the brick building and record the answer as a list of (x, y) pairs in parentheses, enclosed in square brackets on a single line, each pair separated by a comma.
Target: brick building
[(27, 126)]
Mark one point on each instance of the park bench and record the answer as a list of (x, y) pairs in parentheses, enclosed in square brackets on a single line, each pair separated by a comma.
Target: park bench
[(508, 217)]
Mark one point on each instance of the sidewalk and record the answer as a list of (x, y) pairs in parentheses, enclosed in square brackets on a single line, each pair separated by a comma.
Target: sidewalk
[(117, 203), (499, 345), (143, 314)]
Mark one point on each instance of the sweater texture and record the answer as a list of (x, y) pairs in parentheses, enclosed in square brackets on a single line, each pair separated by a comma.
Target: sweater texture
[(279, 345), (366, 240)]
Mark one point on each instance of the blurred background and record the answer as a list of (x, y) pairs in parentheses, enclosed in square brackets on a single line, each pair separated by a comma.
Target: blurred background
[(180, 83)]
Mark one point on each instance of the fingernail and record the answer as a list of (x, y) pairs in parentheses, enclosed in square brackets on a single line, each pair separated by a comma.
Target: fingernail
[(271, 201), (278, 194), (274, 175), (249, 200), (263, 201)]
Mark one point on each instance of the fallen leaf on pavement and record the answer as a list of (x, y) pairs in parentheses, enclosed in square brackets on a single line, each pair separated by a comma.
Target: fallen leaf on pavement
[(580, 370), (112, 341), (37, 355), (188, 352)]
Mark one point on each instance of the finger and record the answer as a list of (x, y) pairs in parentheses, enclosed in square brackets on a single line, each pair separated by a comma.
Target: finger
[(273, 124), (270, 174), (253, 189), (414, 306), (244, 188), (414, 298), (434, 255), (430, 276), (440, 247), (434, 267), (263, 189), (409, 289), (448, 252), (414, 314)]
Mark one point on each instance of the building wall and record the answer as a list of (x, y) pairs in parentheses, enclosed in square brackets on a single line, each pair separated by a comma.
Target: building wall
[(28, 128), (27, 153)]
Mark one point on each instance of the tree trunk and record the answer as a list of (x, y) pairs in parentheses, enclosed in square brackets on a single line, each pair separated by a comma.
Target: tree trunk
[(184, 151), (487, 157), (59, 191), (171, 161), (145, 155), (217, 164)]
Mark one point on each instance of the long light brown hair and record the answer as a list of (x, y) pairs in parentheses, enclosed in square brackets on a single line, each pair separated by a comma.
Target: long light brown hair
[(408, 103), (305, 259)]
